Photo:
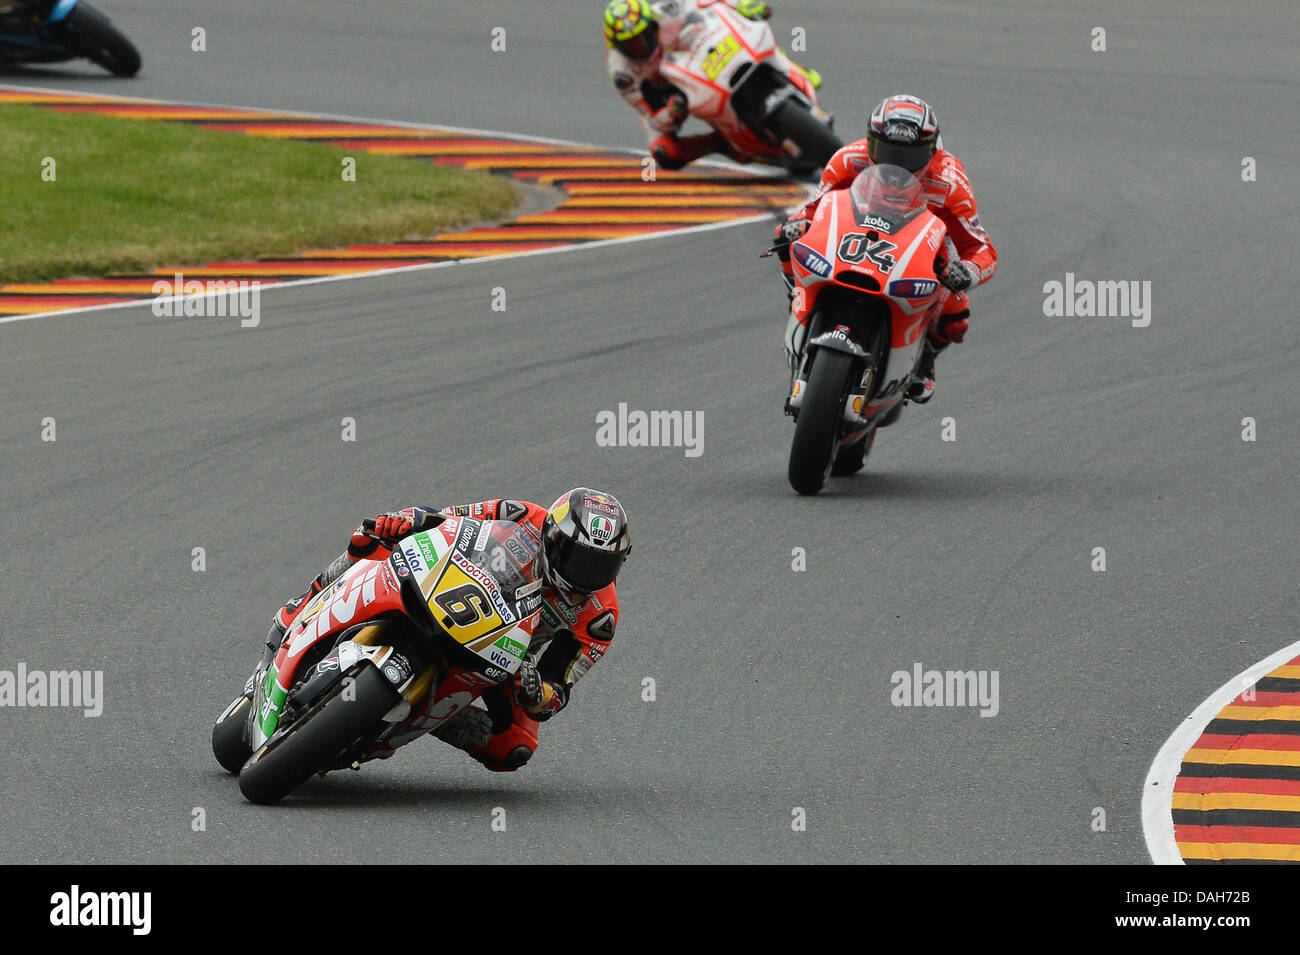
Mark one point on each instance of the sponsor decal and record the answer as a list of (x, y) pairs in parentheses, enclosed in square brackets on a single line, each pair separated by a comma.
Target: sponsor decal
[(577, 669), (600, 504), (602, 627), (426, 548), (501, 659), (602, 529), (329, 663), (876, 222), (397, 669), (517, 550), (466, 538), (400, 565), (511, 511), (413, 558), (565, 609), (485, 580), (495, 674), (551, 617), (512, 647), (913, 288), (811, 261)]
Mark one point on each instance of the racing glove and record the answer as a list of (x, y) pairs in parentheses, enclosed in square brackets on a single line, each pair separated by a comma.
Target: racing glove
[(362, 545), (792, 229), (753, 9), (959, 276), (669, 119), (537, 696)]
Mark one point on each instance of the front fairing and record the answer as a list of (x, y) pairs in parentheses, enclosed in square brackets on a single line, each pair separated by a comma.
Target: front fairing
[(481, 583)]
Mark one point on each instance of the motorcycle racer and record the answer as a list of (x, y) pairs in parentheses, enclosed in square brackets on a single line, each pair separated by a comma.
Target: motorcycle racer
[(637, 33), (584, 541), (903, 131)]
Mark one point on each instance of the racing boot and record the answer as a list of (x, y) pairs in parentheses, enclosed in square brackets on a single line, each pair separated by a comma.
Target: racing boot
[(284, 616), (922, 390), (468, 730), (813, 78), (673, 152)]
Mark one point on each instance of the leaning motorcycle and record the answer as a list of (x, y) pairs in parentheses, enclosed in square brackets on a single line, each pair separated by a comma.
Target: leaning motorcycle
[(390, 651), (865, 292), (51, 31), (736, 79)]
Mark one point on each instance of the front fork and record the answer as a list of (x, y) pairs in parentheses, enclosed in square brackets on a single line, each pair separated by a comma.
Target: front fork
[(801, 347)]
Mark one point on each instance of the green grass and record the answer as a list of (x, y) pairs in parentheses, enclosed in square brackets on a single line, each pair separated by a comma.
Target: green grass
[(134, 195)]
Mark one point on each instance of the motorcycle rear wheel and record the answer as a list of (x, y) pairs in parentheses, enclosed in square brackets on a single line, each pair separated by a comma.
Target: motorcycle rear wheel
[(87, 32), (816, 142)]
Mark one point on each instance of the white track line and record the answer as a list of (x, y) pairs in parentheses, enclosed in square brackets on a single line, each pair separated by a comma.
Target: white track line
[(1158, 790), (755, 171)]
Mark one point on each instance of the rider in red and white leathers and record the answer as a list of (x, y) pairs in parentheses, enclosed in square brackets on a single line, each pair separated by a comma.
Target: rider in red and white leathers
[(637, 33), (584, 539)]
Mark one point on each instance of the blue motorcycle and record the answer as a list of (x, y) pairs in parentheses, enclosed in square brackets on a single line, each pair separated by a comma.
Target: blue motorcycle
[(51, 31)]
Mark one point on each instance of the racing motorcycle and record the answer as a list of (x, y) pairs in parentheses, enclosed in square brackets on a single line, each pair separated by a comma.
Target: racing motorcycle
[(865, 292), (51, 31), (390, 651), (736, 79)]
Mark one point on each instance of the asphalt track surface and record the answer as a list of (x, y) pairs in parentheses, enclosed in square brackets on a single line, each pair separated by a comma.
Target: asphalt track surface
[(773, 687)]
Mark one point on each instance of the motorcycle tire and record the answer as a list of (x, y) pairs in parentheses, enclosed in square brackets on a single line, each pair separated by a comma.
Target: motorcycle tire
[(816, 142), (315, 740), (87, 32), (818, 425), (230, 736)]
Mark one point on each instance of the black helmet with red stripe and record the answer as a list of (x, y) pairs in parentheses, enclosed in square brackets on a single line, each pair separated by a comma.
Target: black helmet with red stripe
[(903, 132), (585, 539)]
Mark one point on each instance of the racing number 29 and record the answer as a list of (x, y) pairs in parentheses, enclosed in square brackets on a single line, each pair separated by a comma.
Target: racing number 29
[(720, 56)]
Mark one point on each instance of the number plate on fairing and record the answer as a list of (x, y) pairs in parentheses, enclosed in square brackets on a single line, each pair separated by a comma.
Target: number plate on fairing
[(475, 603)]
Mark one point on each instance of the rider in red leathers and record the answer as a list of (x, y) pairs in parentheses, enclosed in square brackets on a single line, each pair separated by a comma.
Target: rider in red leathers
[(584, 540), (904, 132)]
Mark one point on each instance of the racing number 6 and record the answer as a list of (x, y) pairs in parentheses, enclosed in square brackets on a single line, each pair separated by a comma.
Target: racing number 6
[(465, 605)]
